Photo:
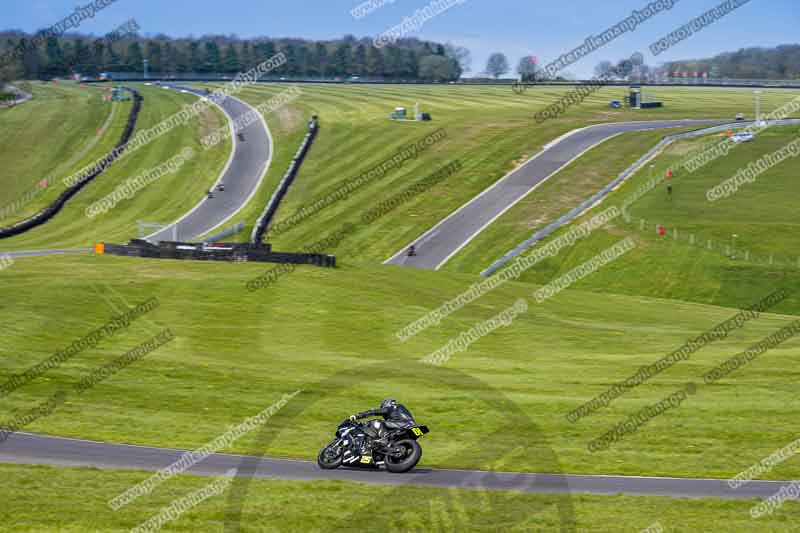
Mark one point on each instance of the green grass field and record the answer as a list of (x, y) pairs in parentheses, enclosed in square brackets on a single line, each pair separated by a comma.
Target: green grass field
[(163, 201), (331, 332), (490, 130), (75, 500), (705, 263), (238, 352), (554, 198), (764, 222), (357, 116), (63, 128)]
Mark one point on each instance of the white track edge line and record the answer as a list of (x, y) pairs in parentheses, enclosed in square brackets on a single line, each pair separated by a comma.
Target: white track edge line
[(227, 166), (219, 178), (544, 149), (515, 202)]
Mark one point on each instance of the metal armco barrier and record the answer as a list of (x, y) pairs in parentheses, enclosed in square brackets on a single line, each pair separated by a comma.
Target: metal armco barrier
[(51, 210), (599, 196), (236, 252), (283, 187), (224, 234)]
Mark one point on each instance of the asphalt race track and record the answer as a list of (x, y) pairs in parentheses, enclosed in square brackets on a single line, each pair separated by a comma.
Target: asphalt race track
[(26, 448), (241, 176), (35, 253), (444, 240)]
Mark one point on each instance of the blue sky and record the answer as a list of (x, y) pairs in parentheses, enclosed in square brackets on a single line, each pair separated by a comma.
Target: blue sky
[(515, 27)]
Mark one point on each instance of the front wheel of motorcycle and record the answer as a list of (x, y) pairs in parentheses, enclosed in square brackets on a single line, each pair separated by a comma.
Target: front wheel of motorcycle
[(403, 456), (330, 457)]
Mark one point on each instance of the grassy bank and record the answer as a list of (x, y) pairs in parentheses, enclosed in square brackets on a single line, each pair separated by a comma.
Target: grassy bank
[(331, 334), (42, 499), (162, 201), (63, 128), (699, 259), (490, 130)]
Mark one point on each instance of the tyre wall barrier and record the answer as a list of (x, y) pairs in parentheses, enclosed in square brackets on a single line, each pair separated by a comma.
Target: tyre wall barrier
[(235, 252), (51, 210), (283, 187)]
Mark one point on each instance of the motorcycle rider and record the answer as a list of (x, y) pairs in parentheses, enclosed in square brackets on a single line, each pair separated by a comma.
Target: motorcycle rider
[(395, 416)]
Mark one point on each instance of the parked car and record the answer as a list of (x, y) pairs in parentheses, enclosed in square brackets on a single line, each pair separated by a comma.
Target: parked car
[(740, 116)]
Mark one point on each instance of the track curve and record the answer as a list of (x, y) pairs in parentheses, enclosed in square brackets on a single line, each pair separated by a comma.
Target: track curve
[(26, 448), (241, 176), (436, 246)]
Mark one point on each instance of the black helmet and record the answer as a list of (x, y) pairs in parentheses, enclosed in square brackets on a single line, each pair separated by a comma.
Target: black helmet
[(388, 403)]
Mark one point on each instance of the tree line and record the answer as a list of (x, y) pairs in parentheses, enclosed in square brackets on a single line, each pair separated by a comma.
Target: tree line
[(778, 63), (781, 62), (24, 57)]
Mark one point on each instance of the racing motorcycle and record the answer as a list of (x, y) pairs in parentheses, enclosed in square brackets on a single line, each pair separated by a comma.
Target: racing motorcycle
[(356, 445)]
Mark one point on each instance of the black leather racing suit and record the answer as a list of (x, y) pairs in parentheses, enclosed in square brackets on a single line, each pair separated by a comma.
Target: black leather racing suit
[(394, 417)]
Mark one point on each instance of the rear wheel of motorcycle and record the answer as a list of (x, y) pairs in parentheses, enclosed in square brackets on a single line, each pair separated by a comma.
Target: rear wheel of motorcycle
[(404, 455), (329, 458)]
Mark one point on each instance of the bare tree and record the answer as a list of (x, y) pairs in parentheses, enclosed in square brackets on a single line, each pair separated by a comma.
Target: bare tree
[(527, 68), (461, 54), (497, 65), (603, 68)]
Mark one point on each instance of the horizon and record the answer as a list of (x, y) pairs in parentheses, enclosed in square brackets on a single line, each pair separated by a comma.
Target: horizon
[(559, 36)]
